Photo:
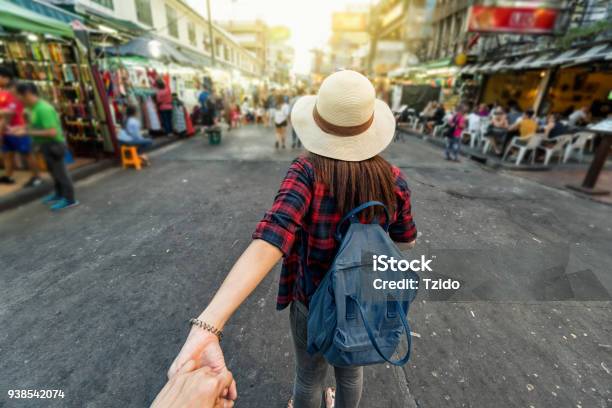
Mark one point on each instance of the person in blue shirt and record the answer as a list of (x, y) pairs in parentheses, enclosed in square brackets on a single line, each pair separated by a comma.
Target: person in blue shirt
[(131, 134)]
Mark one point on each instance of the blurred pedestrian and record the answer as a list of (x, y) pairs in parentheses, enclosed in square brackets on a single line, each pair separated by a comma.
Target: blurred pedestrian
[(11, 115), (163, 98), (457, 124), (235, 115), (46, 130), (498, 130), (345, 129), (245, 110), (281, 116)]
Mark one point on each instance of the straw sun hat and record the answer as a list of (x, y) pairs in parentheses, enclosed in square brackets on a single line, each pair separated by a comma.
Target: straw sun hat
[(344, 121)]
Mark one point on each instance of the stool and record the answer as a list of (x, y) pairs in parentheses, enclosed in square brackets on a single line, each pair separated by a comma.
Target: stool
[(129, 157)]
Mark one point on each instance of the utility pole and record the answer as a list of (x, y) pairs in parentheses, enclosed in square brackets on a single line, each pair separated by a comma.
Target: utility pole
[(210, 34), (374, 29)]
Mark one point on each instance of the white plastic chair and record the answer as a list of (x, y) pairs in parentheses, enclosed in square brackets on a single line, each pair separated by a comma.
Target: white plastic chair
[(560, 143), (578, 145), (474, 138), (437, 130), (531, 145)]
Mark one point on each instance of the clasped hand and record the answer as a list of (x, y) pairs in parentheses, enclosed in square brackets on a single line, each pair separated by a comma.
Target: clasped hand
[(198, 377)]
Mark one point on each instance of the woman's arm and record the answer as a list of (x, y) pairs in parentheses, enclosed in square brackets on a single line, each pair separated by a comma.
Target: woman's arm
[(249, 270)]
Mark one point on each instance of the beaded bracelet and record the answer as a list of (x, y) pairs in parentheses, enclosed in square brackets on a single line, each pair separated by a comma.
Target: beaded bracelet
[(205, 326)]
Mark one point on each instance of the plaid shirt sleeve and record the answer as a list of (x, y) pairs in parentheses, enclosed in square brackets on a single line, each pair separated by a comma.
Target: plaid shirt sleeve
[(403, 228), (281, 222)]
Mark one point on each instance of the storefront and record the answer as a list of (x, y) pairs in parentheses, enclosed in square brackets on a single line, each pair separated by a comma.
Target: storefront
[(43, 51), (520, 87), (557, 81), (579, 86), (417, 85)]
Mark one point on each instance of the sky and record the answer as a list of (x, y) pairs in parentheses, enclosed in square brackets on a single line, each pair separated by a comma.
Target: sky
[(309, 20)]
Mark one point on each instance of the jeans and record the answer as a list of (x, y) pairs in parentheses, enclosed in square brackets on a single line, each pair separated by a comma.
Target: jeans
[(54, 152), (311, 370), (452, 147), (166, 120)]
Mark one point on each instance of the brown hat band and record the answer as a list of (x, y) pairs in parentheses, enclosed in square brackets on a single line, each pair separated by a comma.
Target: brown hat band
[(340, 130)]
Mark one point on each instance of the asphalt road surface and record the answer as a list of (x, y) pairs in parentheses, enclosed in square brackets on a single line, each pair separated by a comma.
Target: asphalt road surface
[(95, 301)]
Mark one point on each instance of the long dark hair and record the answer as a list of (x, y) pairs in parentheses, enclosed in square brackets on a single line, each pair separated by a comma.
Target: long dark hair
[(354, 183)]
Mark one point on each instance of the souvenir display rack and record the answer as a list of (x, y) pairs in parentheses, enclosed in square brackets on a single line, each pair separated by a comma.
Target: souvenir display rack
[(54, 65)]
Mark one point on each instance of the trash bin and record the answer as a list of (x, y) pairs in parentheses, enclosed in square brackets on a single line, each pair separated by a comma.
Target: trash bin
[(214, 135)]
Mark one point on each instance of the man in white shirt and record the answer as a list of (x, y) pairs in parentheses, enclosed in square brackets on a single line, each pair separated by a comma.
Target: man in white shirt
[(579, 117), (281, 114)]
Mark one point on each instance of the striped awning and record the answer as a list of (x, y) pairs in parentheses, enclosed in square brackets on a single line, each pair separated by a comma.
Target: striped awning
[(500, 65), (485, 67), (522, 63), (542, 61), (564, 57), (595, 53)]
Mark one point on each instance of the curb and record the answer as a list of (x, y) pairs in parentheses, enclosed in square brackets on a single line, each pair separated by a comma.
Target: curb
[(26, 195)]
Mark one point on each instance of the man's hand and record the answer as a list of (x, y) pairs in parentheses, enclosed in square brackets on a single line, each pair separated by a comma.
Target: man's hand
[(191, 388), (204, 348)]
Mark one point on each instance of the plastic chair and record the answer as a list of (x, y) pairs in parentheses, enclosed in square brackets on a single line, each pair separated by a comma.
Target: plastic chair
[(474, 138), (578, 145), (558, 147), (438, 130), (130, 157), (531, 145)]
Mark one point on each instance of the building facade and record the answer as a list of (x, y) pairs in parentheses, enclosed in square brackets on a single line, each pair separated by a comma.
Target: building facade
[(175, 21), (349, 37), (399, 31)]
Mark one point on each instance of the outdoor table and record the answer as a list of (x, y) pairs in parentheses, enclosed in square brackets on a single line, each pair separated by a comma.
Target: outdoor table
[(604, 129)]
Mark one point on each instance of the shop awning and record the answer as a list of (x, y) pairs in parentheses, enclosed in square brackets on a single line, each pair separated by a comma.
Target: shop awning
[(499, 66), (156, 48), (48, 10), (564, 57), (595, 53), (485, 67), (474, 68), (522, 63), (542, 61), (197, 59), (19, 18)]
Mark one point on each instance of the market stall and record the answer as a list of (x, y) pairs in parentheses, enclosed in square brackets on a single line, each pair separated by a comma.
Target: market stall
[(43, 51)]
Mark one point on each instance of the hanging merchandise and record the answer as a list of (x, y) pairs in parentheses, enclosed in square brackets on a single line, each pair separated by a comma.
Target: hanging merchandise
[(178, 117), (188, 123), (154, 122), (55, 67)]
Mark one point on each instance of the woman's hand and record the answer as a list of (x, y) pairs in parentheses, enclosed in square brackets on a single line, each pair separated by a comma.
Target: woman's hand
[(204, 348)]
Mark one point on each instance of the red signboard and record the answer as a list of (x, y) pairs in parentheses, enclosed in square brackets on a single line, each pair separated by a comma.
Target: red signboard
[(520, 20)]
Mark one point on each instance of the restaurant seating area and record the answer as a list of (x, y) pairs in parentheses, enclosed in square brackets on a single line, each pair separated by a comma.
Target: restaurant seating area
[(535, 151)]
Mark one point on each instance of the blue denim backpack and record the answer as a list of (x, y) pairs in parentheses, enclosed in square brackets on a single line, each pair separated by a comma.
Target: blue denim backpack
[(344, 324)]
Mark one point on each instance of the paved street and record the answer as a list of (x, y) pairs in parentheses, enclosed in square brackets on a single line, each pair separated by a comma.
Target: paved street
[(95, 301)]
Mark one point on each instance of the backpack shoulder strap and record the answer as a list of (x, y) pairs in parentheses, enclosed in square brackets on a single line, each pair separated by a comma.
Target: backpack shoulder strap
[(357, 210), (407, 332)]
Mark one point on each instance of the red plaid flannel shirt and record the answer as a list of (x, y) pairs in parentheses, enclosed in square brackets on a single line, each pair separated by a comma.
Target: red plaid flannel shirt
[(302, 223)]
